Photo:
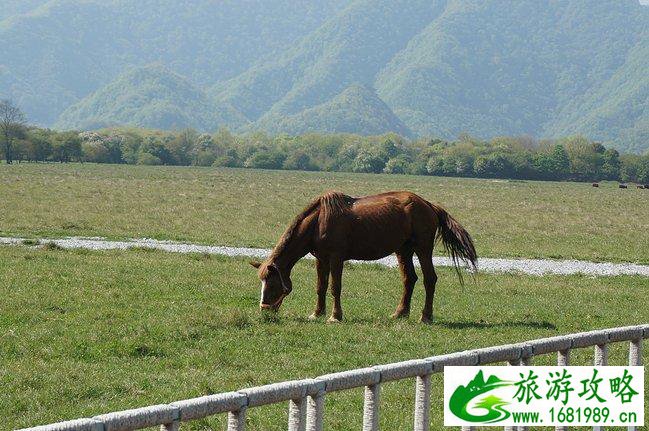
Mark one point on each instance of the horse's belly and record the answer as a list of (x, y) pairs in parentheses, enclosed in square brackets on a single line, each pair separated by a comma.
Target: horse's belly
[(369, 232), (369, 254), (376, 245)]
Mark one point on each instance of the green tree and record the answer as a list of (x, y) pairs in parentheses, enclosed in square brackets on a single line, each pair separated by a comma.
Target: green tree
[(493, 165), (397, 165), (560, 162), (149, 159), (182, 146), (12, 121), (611, 165), (630, 164), (100, 148), (265, 159), (154, 146), (387, 149), (367, 161), (205, 151), (435, 165), (66, 147), (585, 158), (130, 147), (229, 159), (642, 175), (300, 161), (544, 166), (346, 156), (94, 151), (39, 146)]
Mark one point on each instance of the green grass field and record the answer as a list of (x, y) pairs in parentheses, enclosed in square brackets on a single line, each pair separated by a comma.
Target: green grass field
[(251, 208), (83, 333), (90, 332)]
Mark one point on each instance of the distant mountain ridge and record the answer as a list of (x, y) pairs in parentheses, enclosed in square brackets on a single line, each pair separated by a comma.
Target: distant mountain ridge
[(418, 68), (63, 50), (357, 109), (154, 97)]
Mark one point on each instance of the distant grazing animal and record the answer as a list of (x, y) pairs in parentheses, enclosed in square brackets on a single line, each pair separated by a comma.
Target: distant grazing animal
[(622, 186), (639, 186), (646, 186), (335, 227), (595, 185)]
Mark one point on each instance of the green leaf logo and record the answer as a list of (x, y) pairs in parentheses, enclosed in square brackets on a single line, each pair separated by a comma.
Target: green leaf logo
[(494, 406)]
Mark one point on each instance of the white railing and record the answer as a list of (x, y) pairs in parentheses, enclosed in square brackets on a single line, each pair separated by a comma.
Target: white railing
[(306, 398)]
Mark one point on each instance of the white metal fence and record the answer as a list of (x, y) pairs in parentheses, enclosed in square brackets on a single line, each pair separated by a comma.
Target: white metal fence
[(306, 398)]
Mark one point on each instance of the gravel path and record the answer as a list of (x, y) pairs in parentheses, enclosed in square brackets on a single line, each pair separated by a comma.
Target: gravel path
[(524, 266)]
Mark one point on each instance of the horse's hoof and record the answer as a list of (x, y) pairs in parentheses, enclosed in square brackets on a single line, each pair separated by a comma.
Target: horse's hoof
[(333, 320), (426, 320), (314, 316), (399, 315)]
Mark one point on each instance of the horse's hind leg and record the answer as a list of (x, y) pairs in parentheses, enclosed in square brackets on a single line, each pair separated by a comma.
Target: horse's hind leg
[(425, 256), (322, 267), (409, 278), (336, 288)]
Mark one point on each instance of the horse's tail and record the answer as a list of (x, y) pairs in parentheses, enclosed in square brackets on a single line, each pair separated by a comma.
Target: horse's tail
[(456, 240)]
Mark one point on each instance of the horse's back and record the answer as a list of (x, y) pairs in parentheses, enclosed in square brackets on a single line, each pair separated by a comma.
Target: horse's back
[(372, 227)]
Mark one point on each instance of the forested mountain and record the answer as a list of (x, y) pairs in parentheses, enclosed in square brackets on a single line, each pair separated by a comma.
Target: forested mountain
[(521, 69), (546, 68), (151, 96), (356, 110), (616, 110), (350, 48), (66, 49)]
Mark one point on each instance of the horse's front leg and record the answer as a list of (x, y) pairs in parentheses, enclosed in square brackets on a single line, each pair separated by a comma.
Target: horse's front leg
[(322, 268), (336, 265)]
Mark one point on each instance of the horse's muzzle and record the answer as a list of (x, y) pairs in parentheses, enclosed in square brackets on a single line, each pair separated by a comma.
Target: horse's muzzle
[(268, 307), (274, 306)]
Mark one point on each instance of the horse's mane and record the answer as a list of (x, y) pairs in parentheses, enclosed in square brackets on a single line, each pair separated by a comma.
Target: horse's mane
[(333, 204), (330, 204), (292, 229)]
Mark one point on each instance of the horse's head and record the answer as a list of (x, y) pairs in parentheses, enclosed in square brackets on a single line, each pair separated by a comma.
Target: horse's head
[(275, 285)]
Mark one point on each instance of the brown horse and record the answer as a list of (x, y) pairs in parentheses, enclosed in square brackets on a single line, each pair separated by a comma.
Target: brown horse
[(335, 227)]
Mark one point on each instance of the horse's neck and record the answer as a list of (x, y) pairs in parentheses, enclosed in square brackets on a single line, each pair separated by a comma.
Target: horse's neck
[(295, 249)]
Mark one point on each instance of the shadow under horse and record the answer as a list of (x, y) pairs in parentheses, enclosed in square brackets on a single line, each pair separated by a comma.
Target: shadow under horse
[(335, 227)]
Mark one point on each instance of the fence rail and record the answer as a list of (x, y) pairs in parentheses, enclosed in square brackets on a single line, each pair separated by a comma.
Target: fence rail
[(306, 398)]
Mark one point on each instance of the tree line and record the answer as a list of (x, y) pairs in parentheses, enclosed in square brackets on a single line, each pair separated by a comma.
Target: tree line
[(572, 158)]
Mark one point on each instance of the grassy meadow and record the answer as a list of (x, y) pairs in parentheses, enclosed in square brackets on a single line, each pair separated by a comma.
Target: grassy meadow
[(89, 332), (242, 207), (84, 332)]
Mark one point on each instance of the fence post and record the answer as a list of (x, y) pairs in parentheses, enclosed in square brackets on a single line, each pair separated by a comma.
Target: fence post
[(237, 420), (297, 415), (635, 359), (514, 363), (172, 426), (601, 355), (601, 359), (371, 407), (635, 352), (315, 411), (422, 403), (563, 360), (525, 361)]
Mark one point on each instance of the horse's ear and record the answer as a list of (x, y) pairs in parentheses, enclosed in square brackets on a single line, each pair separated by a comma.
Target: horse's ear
[(255, 264)]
